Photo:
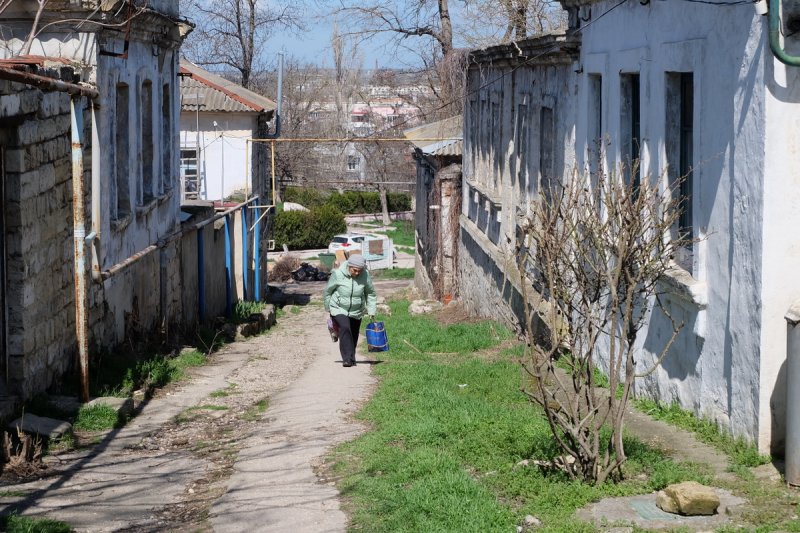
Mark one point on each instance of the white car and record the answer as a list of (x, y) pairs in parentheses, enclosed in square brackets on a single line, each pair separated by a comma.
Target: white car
[(346, 242)]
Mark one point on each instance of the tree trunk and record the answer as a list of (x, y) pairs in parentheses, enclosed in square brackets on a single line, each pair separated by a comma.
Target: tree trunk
[(384, 206)]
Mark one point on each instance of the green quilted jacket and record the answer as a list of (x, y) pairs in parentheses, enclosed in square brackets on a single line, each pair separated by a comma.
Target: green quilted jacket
[(351, 296)]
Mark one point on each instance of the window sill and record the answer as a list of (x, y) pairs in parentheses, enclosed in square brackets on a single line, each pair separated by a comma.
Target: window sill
[(142, 210), (165, 197), (485, 192), (678, 282), (120, 224)]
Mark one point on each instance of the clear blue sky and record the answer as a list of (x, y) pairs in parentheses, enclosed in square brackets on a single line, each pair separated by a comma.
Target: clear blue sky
[(314, 46)]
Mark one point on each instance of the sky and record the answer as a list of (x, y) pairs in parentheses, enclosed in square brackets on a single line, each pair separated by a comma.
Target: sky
[(314, 46)]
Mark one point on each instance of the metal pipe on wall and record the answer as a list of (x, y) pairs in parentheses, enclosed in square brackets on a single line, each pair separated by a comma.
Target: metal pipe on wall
[(79, 243), (256, 258), (228, 268), (245, 262), (793, 395)]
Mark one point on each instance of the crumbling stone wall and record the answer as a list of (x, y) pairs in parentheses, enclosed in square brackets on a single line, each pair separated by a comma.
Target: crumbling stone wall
[(35, 131)]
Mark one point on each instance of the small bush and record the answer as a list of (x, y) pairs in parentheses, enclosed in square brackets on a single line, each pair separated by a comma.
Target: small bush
[(309, 198), (301, 230), (398, 201), (349, 202), (323, 223)]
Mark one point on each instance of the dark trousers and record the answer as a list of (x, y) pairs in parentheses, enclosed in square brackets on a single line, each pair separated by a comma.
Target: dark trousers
[(348, 336)]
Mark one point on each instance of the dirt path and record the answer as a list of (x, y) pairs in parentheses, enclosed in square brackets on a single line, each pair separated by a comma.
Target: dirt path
[(231, 449)]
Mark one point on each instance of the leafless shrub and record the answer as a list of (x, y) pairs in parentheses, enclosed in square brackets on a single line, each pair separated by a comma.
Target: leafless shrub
[(283, 267), (22, 455), (594, 251)]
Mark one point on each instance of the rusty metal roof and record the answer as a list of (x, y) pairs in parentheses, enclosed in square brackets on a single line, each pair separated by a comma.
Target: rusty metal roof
[(449, 133), (216, 93)]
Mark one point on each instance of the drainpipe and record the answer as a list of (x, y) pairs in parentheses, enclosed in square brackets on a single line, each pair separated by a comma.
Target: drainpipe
[(79, 243), (96, 217), (793, 395), (775, 35)]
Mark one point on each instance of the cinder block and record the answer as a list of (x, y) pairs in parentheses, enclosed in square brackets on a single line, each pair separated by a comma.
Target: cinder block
[(30, 101), (9, 105)]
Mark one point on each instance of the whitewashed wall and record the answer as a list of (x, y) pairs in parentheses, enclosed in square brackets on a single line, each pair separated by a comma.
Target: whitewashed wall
[(225, 151), (727, 362)]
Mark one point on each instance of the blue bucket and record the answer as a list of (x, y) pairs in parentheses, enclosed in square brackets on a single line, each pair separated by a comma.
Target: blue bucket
[(376, 337)]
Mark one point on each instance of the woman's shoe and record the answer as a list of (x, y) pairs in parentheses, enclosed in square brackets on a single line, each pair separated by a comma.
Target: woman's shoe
[(348, 363)]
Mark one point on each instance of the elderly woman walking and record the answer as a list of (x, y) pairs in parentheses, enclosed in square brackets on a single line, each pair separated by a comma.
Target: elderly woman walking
[(349, 296)]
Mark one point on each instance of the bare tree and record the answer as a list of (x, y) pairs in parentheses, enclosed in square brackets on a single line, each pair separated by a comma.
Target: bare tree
[(594, 251), (486, 23), (233, 33)]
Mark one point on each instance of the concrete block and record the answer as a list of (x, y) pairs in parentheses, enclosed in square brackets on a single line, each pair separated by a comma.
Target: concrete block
[(16, 160), (9, 105), (52, 104), (30, 101), (34, 131), (42, 426)]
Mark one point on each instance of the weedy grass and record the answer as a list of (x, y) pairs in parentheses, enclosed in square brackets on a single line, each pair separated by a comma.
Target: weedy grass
[(24, 524), (449, 430), (740, 451), (255, 411), (394, 273), (243, 309), (98, 417)]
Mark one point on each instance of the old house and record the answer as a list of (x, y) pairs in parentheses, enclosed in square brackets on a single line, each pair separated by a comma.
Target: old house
[(217, 119), (437, 150), (685, 89), (90, 112)]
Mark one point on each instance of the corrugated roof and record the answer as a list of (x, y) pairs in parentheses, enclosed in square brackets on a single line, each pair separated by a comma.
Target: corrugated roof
[(218, 94), (449, 133)]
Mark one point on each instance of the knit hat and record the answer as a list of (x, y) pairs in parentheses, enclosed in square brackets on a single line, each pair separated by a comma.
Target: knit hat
[(356, 261)]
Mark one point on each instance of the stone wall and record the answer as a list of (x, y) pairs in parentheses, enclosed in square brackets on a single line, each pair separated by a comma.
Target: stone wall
[(38, 218)]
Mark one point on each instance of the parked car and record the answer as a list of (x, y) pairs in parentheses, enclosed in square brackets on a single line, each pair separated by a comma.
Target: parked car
[(346, 242)]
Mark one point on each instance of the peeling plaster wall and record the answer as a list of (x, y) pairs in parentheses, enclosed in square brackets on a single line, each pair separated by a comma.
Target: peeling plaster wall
[(502, 170), (714, 367), (727, 363)]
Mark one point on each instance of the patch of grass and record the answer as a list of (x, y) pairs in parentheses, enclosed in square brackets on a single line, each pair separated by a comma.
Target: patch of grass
[(243, 309), (448, 433), (295, 310), (740, 451), (403, 234), (211, 407), (24, 524), (256, 410), (394, 273), (98, 417), (219, 394), (13, 493)]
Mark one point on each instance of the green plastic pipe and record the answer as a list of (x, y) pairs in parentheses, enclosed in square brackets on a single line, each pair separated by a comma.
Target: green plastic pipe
[(775, 35)]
